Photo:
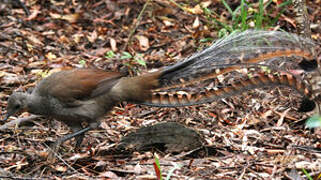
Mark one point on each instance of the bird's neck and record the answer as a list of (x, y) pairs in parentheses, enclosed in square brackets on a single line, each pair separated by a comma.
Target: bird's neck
[(35, 104)]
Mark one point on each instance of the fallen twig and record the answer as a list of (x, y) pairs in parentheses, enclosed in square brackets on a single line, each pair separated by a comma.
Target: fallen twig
[(18, 121), (136, 25)]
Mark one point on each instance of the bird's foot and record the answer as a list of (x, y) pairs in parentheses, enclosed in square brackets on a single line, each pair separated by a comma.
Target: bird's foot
[(53, 152)]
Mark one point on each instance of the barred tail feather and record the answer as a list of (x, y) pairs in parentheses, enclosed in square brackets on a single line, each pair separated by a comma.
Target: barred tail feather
[(176, 99)]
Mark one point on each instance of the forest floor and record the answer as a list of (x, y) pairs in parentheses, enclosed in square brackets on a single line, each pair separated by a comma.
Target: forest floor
[(256, 135)]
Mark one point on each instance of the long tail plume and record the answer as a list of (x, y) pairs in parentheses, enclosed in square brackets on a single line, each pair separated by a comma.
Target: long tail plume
[(249, 47), (180, 98)]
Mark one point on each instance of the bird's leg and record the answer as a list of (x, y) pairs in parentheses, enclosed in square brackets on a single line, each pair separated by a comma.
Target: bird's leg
[(75, 127), (78, 133)]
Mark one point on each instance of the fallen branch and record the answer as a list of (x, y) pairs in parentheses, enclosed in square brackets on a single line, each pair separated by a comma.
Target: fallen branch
[(18, 121)]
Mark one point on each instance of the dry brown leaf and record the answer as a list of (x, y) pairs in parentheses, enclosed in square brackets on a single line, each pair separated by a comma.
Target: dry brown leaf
[(59, 168), (167, 21), (64, 39), (196, 23), (2, 73), (267, 114), (146, 177), (196, 10), (36, 64), (34, 13), (51, 56), (113, 44), (71, 18), (92, 37), (78, 156), (34, 39), (17, 69), (143, 42), (205, 4), (138, 169), (109, 174), (43, 154), (77, 37), (9, 78), (282, 116)]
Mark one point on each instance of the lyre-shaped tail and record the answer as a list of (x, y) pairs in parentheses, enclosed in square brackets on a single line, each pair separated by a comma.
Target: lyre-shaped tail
[(249, 47), (175, 99)]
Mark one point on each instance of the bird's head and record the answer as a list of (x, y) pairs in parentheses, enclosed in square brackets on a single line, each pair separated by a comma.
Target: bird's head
[(16, 103)]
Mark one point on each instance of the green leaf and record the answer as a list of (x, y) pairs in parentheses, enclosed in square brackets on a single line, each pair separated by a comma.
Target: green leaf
[(82, 62), (307, 174), (109, 54), (207, 11), (126, 55), (204, 40), (259, 17), (222, 33), (243, 15), (266, 69), (314, 121), (140, 61), (157, 168), (227, 7)]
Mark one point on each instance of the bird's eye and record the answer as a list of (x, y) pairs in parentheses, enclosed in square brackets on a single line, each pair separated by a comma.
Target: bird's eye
[(17, 106)]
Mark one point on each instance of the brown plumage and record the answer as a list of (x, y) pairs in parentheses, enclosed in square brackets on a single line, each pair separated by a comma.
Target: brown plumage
[(86, 95)]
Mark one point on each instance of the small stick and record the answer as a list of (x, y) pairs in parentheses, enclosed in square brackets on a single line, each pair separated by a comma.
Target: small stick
[(18, 121), (136, 25), (24, 7)]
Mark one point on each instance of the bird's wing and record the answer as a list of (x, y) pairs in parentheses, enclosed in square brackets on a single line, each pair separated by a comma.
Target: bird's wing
[(78, 84)]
